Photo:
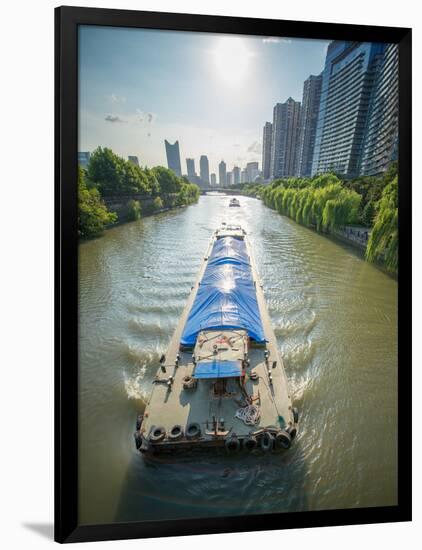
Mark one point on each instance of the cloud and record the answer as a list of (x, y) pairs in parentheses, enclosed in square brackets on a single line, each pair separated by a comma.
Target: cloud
[(116, 99), (114, 118), (146, 118), (276, 40), (255, 147)]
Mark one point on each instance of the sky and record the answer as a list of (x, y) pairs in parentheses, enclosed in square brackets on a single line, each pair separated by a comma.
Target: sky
[(212, 92)]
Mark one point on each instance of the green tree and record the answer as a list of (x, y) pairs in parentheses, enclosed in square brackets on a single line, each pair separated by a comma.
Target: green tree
[(113, 175), (106, 169), (168, 182), (93, 216), (157, 203), (384, 239), (133, 210), (108, 174), (368, 214)]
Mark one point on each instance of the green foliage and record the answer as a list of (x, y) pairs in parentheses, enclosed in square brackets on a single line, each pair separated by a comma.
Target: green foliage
[(368, 213), (250, 189), (168, 182), (321, 202), (371, 188), (114, 175), (110, 175), (133, 210), (157, 203), (327, 203), (188, 194), (384, 239), (93, 216)]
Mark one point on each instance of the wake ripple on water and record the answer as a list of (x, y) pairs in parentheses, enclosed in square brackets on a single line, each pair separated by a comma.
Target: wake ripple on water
[(335, 319)]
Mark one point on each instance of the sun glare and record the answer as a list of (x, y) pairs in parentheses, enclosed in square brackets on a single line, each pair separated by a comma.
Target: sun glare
[(232, 60)]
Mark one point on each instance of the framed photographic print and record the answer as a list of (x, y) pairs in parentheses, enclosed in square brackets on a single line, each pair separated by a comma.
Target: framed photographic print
[(232, 317)]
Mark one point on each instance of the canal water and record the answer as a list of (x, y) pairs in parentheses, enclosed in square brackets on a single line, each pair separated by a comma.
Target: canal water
[(335, 318)]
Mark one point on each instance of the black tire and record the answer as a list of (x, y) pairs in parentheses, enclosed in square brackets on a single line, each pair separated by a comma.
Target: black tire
[(189, 383), (193, 430), (283, 440), (292, 431), (232, 445), (272, 429), (157, 433), (266, 442), (250, 443), (138, 440), (176, 432), (139, 422), (295, 415)]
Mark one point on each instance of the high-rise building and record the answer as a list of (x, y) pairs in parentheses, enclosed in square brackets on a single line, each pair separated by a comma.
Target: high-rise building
[(286, 119), (190, 165), (381, 136), (236, 175), (243, 176), (173, 157), (308, 124), (252, 171), (222, 173), (83, 158), (229, 178), (204, 169), (133, 159), (213, 180), (348, 82), (266, 150)]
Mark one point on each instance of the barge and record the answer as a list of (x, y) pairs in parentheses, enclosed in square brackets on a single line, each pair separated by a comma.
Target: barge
[(222, 383)]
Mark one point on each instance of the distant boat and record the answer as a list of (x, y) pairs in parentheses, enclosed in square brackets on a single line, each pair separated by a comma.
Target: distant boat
[(234, 202)]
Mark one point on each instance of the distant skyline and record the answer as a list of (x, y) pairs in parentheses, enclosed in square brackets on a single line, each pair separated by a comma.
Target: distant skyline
[(211, 92)]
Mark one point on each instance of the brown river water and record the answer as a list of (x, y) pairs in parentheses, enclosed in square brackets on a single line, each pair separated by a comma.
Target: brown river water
[(335, 318)]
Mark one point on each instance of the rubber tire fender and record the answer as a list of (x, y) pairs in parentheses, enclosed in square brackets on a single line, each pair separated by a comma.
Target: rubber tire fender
[(193, 430), (138, 440), (250, 443), (232, 445), (176, 432), (266, 442), (283, 440), (292, 431), (157, 433)]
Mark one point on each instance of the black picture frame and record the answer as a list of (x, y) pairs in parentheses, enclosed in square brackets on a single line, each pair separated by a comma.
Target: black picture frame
[(67, 20)]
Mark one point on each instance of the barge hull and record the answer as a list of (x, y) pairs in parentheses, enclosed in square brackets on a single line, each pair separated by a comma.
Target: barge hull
[(172, 404)]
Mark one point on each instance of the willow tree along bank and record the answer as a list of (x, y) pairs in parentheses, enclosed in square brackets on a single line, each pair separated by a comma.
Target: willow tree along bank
[(327, 203), (321, 202), (383, 244)]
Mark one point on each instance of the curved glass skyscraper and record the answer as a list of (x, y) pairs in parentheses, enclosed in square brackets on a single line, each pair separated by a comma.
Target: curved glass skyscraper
[(173, 157)]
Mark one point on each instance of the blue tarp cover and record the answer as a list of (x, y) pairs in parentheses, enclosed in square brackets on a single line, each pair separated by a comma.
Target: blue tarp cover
[(226, 298), (217, 369)]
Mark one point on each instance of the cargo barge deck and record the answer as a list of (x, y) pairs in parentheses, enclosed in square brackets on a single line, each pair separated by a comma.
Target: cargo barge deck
[(222, 382)]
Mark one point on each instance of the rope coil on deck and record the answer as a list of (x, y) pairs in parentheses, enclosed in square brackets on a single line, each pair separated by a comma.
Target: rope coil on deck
[(250, 414)]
